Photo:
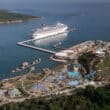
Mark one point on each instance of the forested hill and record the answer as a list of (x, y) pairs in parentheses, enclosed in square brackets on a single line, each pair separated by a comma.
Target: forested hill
[(85, 99), (11, 17)]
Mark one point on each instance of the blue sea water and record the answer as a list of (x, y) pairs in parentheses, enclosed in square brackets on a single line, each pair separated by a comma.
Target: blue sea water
[(91, 20)]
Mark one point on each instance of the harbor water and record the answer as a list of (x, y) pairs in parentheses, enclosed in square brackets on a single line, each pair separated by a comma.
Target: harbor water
[(91, 21)]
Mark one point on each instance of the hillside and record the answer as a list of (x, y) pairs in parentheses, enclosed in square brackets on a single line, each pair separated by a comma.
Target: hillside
[(84, 99), (10, 17)]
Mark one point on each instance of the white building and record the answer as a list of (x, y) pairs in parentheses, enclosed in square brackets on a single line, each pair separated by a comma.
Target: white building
[(2, 93), (14, 93)]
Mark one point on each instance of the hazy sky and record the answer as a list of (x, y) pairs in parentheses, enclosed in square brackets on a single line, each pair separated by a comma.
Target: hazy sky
[(37, 3), (54, 1), (46, 1)]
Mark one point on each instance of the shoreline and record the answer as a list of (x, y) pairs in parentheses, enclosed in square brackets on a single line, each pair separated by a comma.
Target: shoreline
[(18, 21), (57, 67), (8, 17), (51, 81)]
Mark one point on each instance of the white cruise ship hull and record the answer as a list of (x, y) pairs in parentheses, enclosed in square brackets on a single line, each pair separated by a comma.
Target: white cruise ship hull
[(50, 31)]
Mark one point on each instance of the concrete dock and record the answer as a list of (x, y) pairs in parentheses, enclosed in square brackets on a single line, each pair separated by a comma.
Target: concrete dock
[(23, 43)]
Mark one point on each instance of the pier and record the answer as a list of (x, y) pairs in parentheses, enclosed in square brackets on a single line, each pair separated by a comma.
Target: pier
[(23, 43), (26, 65)]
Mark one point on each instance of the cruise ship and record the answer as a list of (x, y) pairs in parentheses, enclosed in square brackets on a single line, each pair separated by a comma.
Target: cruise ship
[(48, 31)]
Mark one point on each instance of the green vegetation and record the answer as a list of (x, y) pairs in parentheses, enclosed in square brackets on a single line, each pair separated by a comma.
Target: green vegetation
[(86, 59), (9, 17), (103, 69), (105, 63), (84, 99)]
